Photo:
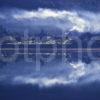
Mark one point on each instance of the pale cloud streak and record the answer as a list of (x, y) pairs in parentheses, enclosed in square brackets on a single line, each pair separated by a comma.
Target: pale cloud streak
[(62, 19), (80, 21), (60, 74)]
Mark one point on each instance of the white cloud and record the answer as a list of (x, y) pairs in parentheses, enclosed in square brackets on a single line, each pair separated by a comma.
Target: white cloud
[(43, 81), (81, 21), (89, 73), (62, 19), (60, 74), (42, 13), (79, 71)]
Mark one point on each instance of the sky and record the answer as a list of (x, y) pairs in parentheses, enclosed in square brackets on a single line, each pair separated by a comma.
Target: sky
[(50, 15), (91, 5), (55, 16)]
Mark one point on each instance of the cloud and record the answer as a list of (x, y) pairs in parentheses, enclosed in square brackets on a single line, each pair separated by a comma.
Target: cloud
[(81, 21), (61, 73), (62, 19), (88, 73), (42, 82), (41, 13), (76, 73)]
